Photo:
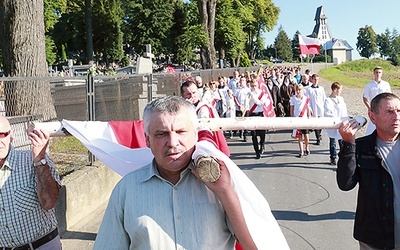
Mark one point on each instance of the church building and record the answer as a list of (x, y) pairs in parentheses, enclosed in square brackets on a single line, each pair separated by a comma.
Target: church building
[(338, 49)]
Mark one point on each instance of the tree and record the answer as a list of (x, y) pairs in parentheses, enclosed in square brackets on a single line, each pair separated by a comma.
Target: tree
[(89, 31), (148, 22), (395, 48), (230, 38), (366, 42), (107, 40), (283, 46), (207, 19), (257, 16), (24, 55), (52, 13), (383, 42), (296, 46), (70, 23)]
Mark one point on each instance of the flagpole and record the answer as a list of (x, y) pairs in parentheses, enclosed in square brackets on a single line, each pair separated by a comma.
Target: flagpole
[(56, 129)]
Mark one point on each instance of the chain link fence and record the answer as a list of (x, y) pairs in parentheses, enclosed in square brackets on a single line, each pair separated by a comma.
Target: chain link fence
[(104, 98)]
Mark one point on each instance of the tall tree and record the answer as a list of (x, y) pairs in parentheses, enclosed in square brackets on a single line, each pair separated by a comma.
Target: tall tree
[(89, 32), (207, 19), (366, 42), (107, 41), (258, 16), (283, 45), (24, 55), (70, 23), (383, 42), (296, 46), (149, 22), (52, 13), (230, 38), (395, 45)]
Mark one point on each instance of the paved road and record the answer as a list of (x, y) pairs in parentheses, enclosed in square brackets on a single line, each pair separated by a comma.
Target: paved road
[(312, 212)]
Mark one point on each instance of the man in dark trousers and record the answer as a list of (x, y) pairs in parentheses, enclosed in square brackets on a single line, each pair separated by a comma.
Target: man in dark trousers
[(373, 162)]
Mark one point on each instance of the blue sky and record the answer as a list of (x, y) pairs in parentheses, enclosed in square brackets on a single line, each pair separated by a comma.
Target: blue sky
[(345, 18)]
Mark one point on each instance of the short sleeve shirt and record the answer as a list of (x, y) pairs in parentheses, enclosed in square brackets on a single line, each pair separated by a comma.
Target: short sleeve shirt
[(22, 219), (373, 88), (147, 212)]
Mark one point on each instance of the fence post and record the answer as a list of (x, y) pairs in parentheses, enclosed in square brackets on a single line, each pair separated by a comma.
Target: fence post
[(150, 88), (90, 100)]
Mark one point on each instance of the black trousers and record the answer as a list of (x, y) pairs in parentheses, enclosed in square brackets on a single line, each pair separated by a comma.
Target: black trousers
[(258, 145)]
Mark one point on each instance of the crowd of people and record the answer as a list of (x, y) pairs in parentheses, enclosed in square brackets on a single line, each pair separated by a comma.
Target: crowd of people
[(167, 205), (273, 92)]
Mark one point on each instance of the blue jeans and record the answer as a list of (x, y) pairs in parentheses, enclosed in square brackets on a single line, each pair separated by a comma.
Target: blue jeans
[(332, 147)]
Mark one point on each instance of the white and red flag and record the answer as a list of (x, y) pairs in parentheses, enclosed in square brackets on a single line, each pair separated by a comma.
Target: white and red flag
[(105, 139), (308, 45)]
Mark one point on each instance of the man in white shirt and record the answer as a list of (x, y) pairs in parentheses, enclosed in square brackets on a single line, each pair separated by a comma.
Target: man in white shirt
[(164, 205), (317, 97), (372, 89)]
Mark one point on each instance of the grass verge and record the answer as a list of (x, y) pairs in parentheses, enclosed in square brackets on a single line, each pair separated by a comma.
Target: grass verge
[(357, 73)]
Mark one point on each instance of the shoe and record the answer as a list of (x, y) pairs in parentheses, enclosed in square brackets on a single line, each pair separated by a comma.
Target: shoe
[(299, 155), (307, 152), (333, 162), (245, 139), (258, 156), (262, 150), (318, 143)]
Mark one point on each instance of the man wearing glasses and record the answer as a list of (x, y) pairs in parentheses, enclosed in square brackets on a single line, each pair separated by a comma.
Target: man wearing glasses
[(29, 188)]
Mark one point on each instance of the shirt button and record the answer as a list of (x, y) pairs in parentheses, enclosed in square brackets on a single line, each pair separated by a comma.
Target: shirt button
[(178, 217)]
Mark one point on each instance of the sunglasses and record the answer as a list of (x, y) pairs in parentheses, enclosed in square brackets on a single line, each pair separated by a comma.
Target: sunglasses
[(4, 134)]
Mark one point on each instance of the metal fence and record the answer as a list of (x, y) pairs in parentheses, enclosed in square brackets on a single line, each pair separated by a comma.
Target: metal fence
[(121, 97), (105, 98)]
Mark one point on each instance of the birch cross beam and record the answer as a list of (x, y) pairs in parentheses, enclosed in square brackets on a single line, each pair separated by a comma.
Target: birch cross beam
[(241, 123)]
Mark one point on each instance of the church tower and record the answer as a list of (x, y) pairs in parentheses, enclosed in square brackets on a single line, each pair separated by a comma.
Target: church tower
[(321, 29)]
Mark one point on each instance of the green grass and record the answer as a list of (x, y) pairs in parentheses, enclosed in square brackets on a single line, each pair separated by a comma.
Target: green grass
[(68, 145), (358, 73)]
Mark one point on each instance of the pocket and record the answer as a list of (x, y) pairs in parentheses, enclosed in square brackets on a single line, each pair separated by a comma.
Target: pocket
[(25, 199), (211, 219)]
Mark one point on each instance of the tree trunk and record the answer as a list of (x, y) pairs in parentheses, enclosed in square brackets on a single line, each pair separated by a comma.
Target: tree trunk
[(207, 19), (89, 32), (24, 56)]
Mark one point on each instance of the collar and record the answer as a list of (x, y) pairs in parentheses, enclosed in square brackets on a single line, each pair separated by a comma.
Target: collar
[(152, 171), (9, 158), (315, 87)]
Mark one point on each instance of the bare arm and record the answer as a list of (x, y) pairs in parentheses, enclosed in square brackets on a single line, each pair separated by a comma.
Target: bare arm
[(47, 187), (366, 103), (223, 189)]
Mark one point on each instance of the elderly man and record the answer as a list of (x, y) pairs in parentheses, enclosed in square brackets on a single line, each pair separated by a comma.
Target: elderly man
[(373, 162), (29, 186), (164, 205)]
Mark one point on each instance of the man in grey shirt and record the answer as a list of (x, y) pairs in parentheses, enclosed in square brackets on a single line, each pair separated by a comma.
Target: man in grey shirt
[(373, 162)]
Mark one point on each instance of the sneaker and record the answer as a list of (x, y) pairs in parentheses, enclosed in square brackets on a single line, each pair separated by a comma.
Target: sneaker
[(333, 162)]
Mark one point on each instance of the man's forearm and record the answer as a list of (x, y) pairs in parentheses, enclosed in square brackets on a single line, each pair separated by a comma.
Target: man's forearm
[(47, 188)]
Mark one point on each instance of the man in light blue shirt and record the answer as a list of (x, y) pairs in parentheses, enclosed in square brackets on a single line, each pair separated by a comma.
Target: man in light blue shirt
[(164, 205)]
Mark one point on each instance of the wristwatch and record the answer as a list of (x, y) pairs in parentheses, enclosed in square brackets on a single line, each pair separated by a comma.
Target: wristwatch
[(40, 163)]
